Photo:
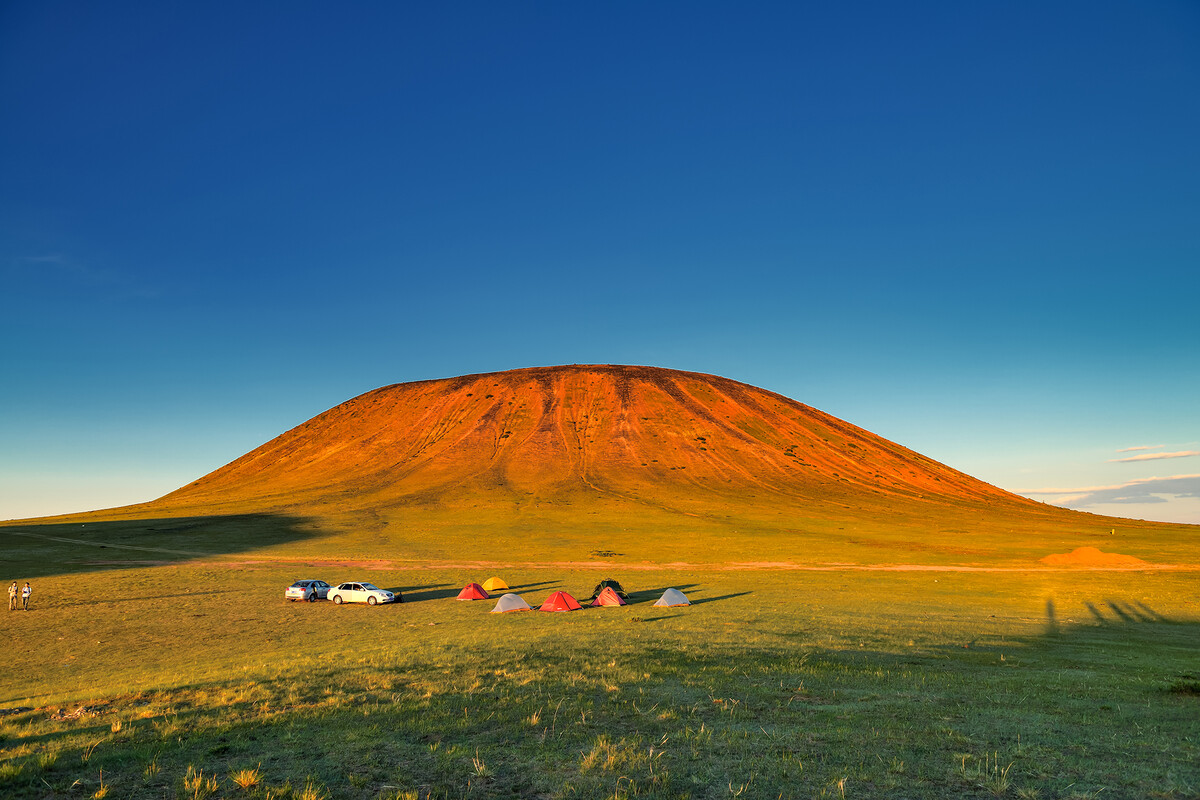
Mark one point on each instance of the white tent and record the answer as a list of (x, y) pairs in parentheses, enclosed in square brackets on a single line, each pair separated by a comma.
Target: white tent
[(673, 597), (510, 602)]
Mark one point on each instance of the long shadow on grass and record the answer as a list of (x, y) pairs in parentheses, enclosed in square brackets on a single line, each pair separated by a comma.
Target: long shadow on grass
[(704, 600), (137, 598), (428, 594), (522, 587), (41, 550)]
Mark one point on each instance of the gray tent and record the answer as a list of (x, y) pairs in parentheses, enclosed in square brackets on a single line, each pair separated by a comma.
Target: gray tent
[(673, 597), (510, 602)]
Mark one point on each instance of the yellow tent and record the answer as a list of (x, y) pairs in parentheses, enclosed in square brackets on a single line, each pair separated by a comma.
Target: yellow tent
[(494, 584)]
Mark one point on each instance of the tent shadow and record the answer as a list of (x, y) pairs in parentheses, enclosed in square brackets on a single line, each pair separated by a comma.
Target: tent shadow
[(521, 587), (722, 597), (428, 594), (419, 588)]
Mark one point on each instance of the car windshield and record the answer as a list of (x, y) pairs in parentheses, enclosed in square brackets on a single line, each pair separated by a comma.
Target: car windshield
[(298, 585), (370, 587)]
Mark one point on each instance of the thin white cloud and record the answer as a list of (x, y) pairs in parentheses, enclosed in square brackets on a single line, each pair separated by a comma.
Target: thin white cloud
[(1155, 456), (1141, 447), (1143, 490), (53, 258)]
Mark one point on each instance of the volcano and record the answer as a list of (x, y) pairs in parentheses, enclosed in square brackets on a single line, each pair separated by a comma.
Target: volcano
[(645, 434), (639, 464)]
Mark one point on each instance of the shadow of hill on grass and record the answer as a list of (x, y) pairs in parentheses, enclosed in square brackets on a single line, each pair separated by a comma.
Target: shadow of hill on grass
[(38, 551)]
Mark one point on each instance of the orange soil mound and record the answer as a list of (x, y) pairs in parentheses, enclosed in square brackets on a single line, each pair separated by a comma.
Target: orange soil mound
[(1092, 557)]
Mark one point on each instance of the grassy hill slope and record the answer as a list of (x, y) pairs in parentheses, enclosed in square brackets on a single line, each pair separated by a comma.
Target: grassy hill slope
[(626, 464)]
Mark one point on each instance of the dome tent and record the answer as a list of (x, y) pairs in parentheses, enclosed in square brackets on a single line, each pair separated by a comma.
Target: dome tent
[(608, 597), (673, 597), (609, 583), (560, 601), (472, 591), (510, 602), (494, 584)]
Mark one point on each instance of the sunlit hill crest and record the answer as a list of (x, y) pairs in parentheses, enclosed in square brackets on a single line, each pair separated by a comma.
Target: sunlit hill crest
[(670, 439)]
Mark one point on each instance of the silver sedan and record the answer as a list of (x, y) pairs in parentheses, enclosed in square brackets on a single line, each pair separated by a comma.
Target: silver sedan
[(310, 590), (367, 593)]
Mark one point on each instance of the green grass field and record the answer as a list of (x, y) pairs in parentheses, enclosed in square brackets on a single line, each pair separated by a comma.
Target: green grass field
[(160, 660)]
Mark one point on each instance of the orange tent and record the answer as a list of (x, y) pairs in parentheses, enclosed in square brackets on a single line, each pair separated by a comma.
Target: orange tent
[(560, 601), (608, 597), (472, 591)]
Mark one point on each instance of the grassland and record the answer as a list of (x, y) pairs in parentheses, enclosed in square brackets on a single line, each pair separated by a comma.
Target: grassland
[(867, 623), (192, 677)]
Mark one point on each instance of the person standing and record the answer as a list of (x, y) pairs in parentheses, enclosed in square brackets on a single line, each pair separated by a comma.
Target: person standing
[(12, 597), (25, 591)]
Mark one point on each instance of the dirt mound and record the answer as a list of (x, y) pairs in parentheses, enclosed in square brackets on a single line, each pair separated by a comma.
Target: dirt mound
[(1092, 557)]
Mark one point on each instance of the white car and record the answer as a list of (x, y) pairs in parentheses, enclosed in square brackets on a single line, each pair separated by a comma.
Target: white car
[(310, 590), (367, 593)]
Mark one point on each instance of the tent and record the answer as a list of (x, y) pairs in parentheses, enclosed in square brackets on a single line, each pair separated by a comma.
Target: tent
[(494, 585), (560, 601), (472, 591), (673, 597), (609, 583), (511, 602), (608, 597)]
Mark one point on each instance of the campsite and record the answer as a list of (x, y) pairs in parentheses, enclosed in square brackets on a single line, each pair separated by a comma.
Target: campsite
[(832, 683)]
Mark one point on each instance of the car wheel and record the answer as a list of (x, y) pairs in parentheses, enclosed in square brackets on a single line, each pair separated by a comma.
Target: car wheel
[(312, 598), (337, 599), (371, 600)]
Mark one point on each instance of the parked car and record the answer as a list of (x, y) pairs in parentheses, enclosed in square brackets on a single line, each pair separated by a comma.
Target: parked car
[(367, 593), (310, 590)]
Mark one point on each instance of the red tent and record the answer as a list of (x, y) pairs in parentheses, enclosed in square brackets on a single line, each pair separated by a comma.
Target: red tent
[(472, 591), (608, 597), (560, 601)]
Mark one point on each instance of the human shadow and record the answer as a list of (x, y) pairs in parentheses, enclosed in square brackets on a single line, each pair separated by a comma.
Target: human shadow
[(39, 550), (91, 601)]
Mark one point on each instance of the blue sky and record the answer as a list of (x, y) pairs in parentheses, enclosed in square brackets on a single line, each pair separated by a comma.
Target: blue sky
[(973, 228)]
